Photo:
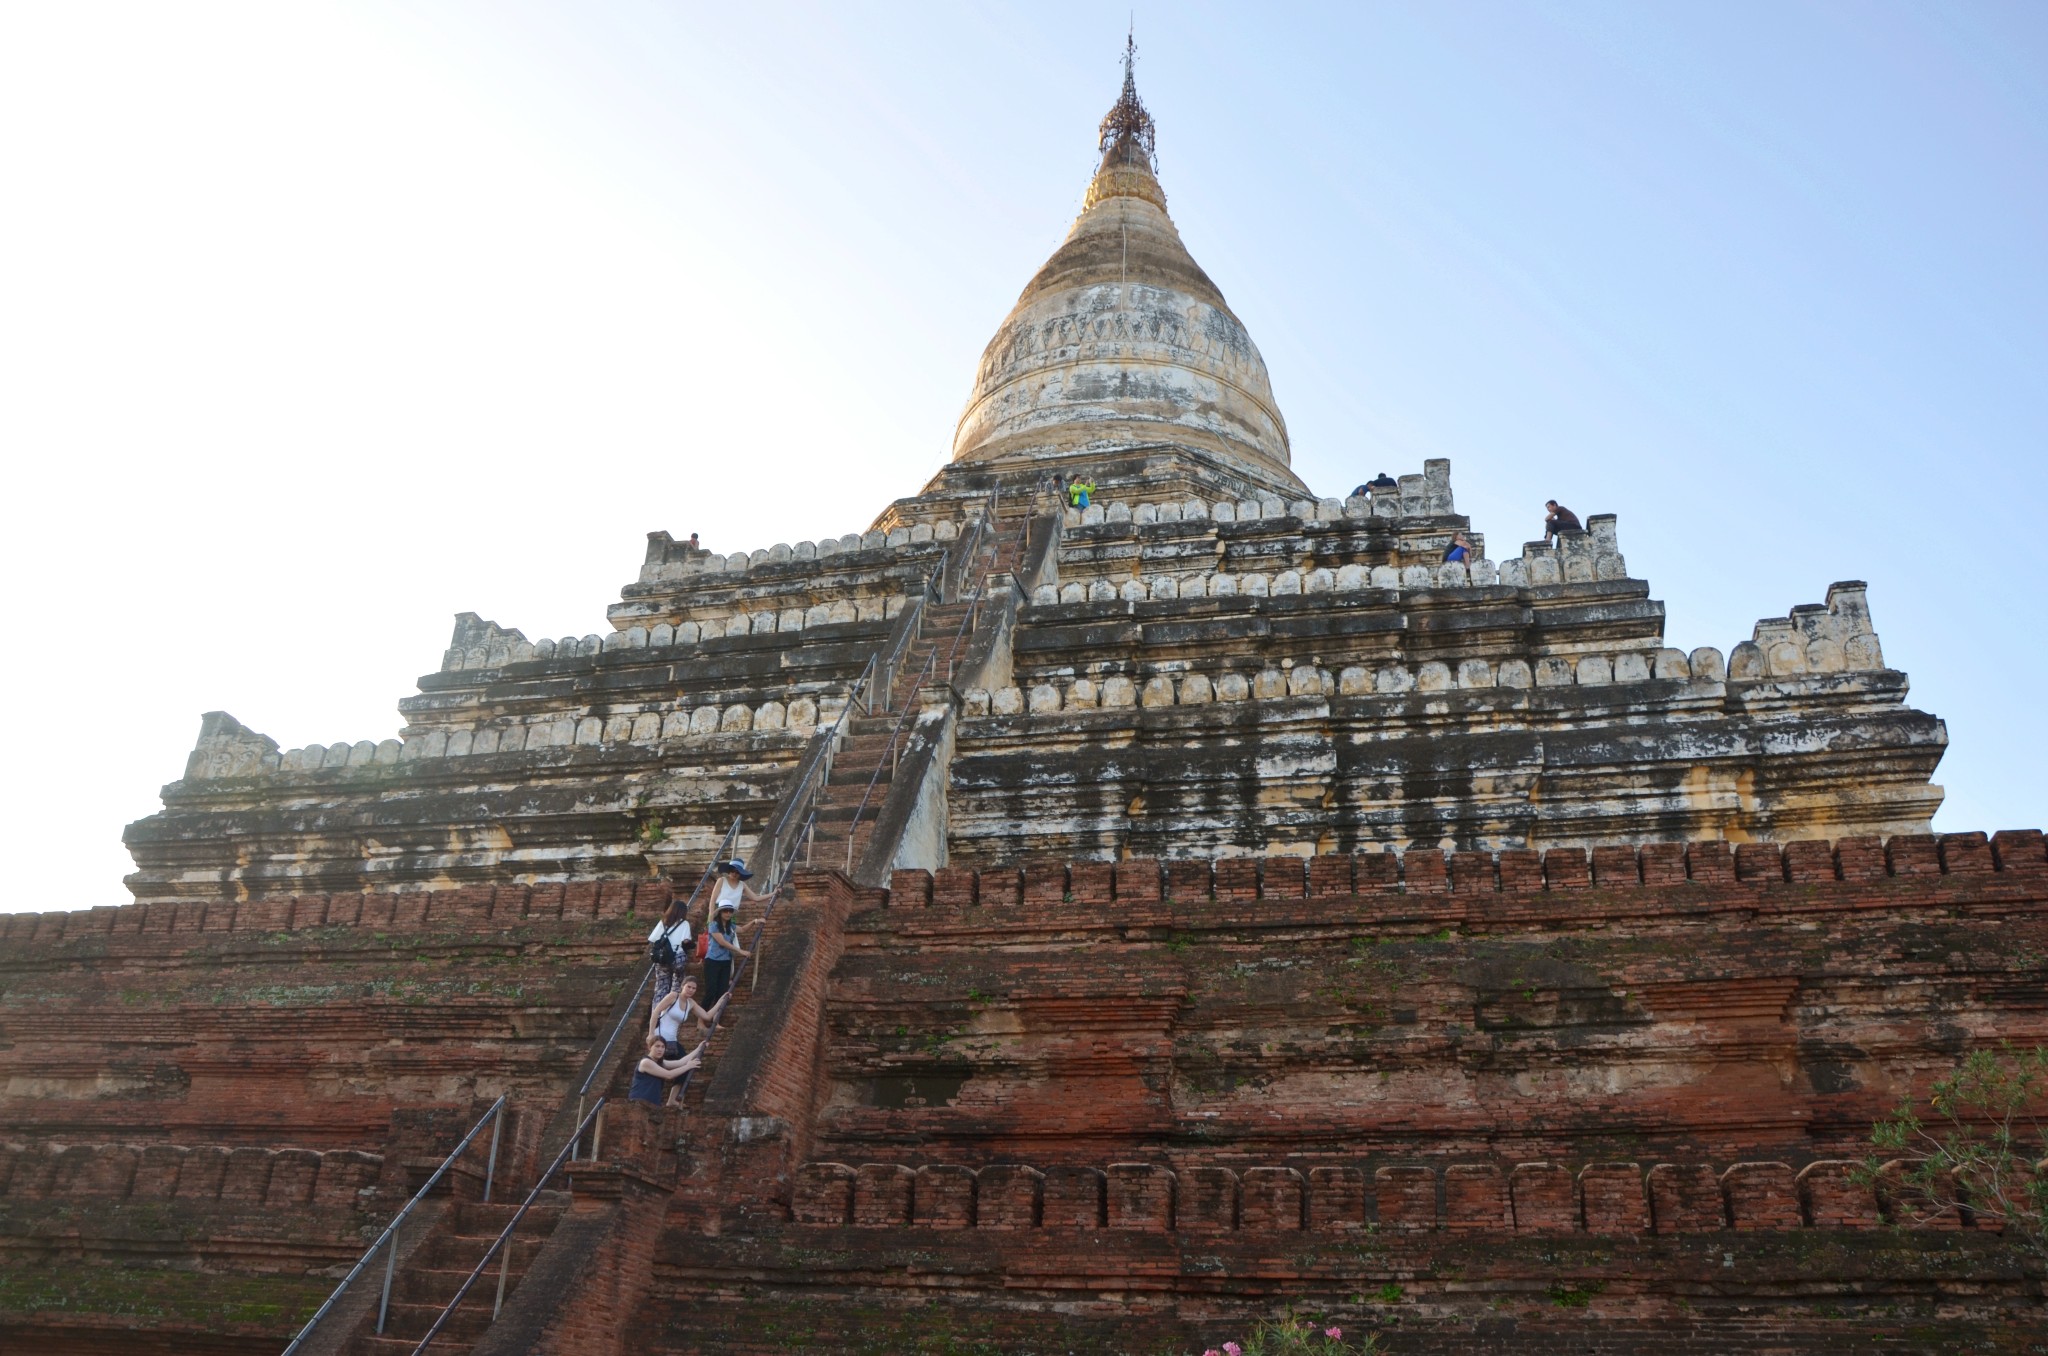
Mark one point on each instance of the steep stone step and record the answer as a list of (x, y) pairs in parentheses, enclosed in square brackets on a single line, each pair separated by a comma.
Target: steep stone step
[(460, 1252)]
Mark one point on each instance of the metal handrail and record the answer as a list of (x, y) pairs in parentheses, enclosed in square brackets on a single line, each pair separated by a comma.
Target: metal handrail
[(885, 662), (503, 1234), (888, 754), (494, 1117), (812, 778), (889, 750)]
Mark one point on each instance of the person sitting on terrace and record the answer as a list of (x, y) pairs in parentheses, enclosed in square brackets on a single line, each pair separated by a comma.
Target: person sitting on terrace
[(672, 1011), (1560, 521), (654, 1075), (1461, 548), (1382, 481)]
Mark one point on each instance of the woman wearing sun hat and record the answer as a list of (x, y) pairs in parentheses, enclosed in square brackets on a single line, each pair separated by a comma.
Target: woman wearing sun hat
[(722, 937)]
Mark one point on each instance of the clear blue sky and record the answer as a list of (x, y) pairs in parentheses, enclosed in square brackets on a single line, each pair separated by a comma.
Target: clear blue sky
[(319, 324)]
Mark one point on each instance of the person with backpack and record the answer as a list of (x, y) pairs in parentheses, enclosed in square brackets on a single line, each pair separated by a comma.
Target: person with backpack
[(1079, 492), (668, 948)]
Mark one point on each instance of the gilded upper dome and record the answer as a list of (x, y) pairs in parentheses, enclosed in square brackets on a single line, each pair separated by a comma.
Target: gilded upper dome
[(1121, 340)]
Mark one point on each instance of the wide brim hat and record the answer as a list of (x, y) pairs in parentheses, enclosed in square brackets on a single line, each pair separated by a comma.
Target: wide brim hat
[(737, 865)]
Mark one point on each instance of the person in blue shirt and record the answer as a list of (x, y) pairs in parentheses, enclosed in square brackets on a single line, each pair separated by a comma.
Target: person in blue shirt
[(721, 944), (653, 1076), (1461, 549)]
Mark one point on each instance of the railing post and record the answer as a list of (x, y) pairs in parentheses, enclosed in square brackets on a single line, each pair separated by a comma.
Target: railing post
[(578, 1121), (491, 1165), (504, 1267), (597, 1133), (390, 1263)]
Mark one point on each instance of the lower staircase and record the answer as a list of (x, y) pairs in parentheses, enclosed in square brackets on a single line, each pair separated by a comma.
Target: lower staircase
[(437, 1269)]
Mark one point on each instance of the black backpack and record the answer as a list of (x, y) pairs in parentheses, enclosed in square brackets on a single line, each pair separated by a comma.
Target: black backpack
[(661, 951)]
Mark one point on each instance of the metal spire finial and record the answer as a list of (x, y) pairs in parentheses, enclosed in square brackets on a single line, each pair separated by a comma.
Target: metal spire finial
[(1127, 130)]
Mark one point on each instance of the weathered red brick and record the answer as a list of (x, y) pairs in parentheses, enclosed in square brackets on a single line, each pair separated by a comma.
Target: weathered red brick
[(1833, 1195), (1283, 878), (1139, 1196), (1662, 863), (1329, 875), (1808, 860), (1860, 858), (1269, 1199), (1472, 873), (248, 1175), (1375, 871), (546, 900), (1566, 869), (292, 1174), (1761, 1196), (614, 899), (1423, 872), (2020, 849), (910, 889), (579, 901), (1208, 1200), (95, 1170), (1236, 879), (1685, 1198), (1092, 882), (942, 1196), (1760, 863), (1913, 854), (1138, 881), (1073, 1198), (1336, 1198), (156, 1172), (1964, 854), (1710, 863), (1000, 888), (822, 1193), (881, 1195), (344, 1175), (1616, 866), (1007, 1196), (1545, 1197), (199, 1178), (1044, 883), (1187, 881), (1521, 871), (1476, 1198), (953, 887), (1611, 1194), (1407, 1197)]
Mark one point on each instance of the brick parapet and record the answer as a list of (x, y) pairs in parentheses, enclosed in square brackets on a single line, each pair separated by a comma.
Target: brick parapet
[(1476, 892), (1601, 1198), (180, 924)]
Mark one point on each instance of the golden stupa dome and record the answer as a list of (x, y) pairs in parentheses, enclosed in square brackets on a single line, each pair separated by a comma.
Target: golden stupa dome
[(1121, 340)]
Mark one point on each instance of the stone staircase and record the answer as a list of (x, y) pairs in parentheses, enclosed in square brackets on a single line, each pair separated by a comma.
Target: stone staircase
[(430, 1278), (865, 766)]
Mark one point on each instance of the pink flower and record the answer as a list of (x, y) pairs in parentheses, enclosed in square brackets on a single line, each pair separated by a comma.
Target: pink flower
[(1212, 1352), (1232, 1349), (1336, 1334)]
